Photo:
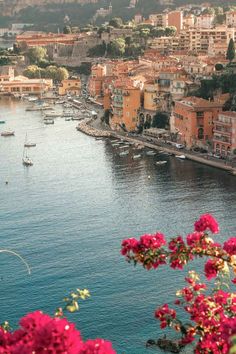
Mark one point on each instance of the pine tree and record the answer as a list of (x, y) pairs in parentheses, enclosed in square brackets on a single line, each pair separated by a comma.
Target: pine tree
[(230, 51)]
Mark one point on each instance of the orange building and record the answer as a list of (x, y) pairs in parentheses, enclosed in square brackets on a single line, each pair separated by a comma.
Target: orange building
[(96, 80), (224, 140), (125, 105), (194, 120), (70, 86), (175, 18)]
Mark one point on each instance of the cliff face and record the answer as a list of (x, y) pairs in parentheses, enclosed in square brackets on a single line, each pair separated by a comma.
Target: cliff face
[(12, 7)]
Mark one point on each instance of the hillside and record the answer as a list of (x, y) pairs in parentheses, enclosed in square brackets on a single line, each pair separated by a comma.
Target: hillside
[(50, 14)]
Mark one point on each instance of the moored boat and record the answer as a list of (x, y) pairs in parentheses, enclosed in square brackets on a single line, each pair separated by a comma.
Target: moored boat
[(8, 133), (161, 162), (135, 157), (182, 157), (124, 153)]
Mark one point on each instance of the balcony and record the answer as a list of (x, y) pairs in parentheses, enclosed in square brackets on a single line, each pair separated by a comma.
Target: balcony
[(222, 139), (222, 131)]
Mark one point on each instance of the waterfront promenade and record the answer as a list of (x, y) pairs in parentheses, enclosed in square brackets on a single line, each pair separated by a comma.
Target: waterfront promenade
[(97, 129)]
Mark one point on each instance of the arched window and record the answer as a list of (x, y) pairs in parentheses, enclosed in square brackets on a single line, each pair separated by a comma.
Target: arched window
[(200, 133)]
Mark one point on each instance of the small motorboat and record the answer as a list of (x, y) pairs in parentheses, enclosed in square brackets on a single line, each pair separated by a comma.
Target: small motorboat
[(124, 153), (135, 157), (151, 153), (8, 133), (27, 161), (48, 121), (181, 157), (161, 162), (29, 145)]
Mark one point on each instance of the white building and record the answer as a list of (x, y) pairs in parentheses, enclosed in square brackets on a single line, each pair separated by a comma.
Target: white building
[(205, 21)]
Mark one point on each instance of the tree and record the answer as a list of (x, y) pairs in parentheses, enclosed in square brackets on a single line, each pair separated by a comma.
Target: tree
[(170, 31), (231, 51), (117, 47), (36, 54), (219, 67), (33, 72), (160, 120), (67, 30), (158, 32), (116, 22), (61, 74), (211, 309)]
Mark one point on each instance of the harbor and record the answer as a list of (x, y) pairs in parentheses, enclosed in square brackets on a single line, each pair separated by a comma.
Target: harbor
[(78, 201)]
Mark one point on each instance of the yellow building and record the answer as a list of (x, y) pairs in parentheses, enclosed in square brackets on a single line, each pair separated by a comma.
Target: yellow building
[(70, 86)]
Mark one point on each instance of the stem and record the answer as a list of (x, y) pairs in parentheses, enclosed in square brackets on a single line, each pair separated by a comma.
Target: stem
[(18, 256)]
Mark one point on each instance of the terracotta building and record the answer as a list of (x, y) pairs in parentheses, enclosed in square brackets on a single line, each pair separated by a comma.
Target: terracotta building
[(175, 18), (224, 140), (194, 120), (21, 84)]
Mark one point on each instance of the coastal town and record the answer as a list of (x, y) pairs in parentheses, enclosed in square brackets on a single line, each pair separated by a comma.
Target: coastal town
[(168, 79), (118, 149)]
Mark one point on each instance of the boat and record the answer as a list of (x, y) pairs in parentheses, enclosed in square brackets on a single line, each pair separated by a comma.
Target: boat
[(161, 162), (68, 119), (124, 153), (2, 121), (135, 157), (48, 121), (182, 157), (27, 143), (32, 99), (8, 133), (25, 159), (124, 146), (52, 115), (151, 153)]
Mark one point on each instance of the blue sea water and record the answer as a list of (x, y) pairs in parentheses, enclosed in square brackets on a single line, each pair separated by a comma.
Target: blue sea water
[(68, 214)]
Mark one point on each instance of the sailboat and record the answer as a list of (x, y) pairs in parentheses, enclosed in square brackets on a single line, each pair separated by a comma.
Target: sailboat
[(25, 159), (27, 143)]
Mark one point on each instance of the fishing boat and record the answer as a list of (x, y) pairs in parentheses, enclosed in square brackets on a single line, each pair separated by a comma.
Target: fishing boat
[(161, 162), (28, 143), (181, 157), (8, 133), (25, 159)]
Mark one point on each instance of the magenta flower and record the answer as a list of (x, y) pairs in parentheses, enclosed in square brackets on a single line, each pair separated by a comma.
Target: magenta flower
[(205, 222)]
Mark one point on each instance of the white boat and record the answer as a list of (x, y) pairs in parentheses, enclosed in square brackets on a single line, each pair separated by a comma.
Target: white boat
[(25, 159), (182, 157), (28, 143), (161, 162), (67, 119), (48, 121), (53, 115), (32, 99), (151, 153), (8, 133), (135, 157), (124, 153)]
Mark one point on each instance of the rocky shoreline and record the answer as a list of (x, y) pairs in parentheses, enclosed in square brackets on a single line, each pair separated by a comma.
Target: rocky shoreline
[(86, 128)]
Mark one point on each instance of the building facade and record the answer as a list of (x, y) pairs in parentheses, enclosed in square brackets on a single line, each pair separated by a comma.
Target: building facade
[(224, 139)]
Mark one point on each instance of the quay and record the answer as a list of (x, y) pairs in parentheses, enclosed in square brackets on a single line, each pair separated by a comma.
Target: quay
[(88, 127)]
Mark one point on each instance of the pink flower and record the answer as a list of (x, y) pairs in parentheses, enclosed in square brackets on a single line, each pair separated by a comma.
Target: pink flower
[(97, 346), (205, 222), (152, 241), (211, 269), (230, 246), (194, 238)]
